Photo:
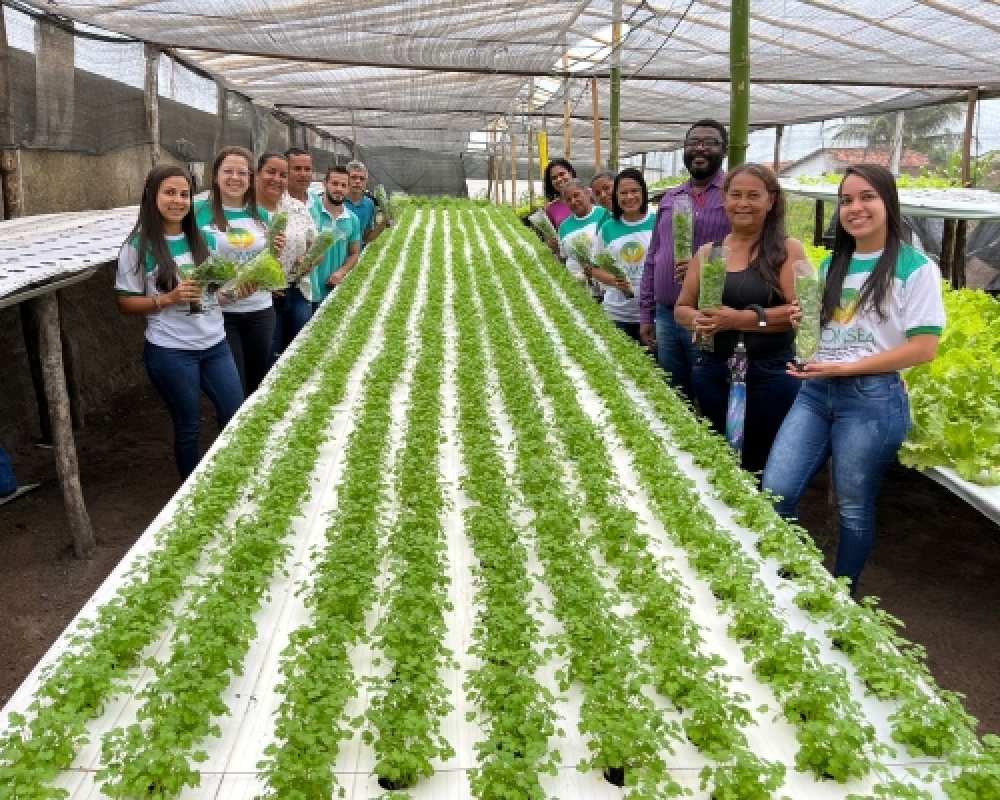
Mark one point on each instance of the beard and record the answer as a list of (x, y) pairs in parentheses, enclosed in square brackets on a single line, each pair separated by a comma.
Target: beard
[(713, 163), (336, 201)]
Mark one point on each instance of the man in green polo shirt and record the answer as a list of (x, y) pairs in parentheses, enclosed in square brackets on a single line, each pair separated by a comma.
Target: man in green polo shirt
[(330, 215)]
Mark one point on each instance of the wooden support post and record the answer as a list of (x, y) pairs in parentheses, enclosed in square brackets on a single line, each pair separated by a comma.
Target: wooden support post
[(74, 383), (10, 173), (222, 132), (958, 272), (597, 125), (29, 330), (818, 220), (354, 136), (151, 95), (513, 171), (531, 168), (615, 87), (46, 307), (739, 76), (642, 166), (779, 132), (501, 174), (567, 121), (8, 178), (948, 251)]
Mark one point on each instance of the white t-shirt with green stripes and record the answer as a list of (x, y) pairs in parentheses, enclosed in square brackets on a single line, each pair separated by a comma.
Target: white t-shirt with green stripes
[(914, 306), (628, 243), (244, 238), (174, 326), (574, 227)]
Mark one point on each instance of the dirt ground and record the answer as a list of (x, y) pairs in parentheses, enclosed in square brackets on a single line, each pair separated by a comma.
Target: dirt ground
[(934, 566)]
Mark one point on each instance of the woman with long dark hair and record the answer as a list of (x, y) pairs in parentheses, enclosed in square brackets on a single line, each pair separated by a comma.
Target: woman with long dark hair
[(757, 305), (185, 353), (558, 172), (293, 306), (882, 313), (625, 237), (239, 228)]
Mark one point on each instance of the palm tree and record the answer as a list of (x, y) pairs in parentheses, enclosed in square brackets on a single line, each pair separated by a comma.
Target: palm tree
[(926, 129)]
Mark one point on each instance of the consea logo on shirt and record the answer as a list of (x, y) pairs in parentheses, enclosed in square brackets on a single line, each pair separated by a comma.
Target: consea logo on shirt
[(848, 307), (633, 253), (842, 336)]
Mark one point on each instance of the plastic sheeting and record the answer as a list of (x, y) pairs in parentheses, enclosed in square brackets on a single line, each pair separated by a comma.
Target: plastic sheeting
[(970, 204), (811, 59)]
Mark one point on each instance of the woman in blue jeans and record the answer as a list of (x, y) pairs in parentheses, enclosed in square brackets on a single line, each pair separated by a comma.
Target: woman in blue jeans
[(185, 353), (882, 312), (757, 307)]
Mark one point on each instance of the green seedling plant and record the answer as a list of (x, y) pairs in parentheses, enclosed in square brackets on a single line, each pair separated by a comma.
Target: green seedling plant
[(735, 488), (158, 754), (104, 652), (689, 678), (310, 723), (404, 718), (515, 710)]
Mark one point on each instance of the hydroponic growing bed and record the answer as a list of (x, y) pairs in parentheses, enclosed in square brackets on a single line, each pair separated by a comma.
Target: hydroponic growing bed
[(466, 539)]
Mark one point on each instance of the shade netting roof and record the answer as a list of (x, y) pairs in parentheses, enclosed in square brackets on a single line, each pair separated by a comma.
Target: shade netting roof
[(432, 72)]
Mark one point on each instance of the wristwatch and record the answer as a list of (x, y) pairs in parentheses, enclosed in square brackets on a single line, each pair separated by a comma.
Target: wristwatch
[(761, 314)]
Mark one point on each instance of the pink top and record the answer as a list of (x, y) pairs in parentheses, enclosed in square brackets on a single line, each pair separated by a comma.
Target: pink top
[(558, 212)]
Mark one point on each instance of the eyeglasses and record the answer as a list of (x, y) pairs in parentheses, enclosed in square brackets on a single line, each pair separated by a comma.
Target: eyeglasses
[(229, 172), (707, 144)]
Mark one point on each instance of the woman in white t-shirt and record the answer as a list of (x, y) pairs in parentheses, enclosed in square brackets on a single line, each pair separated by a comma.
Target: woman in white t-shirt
[(882, 312), (239, 232), (184, 353)]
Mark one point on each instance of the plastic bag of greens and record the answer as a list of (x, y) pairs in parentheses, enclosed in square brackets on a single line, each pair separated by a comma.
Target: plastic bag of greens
[(314, 255), (606, 262), (683, 222), (579, 249), (711, 284), (215, 269), (809, 293), (279, 222), (383, 202), (540, 222), (263, 272)]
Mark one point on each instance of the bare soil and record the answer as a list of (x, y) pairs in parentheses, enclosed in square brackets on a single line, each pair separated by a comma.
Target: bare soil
[(934, 566)]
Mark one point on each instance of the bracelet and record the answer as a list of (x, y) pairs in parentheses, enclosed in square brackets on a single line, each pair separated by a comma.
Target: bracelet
[(761, 314)]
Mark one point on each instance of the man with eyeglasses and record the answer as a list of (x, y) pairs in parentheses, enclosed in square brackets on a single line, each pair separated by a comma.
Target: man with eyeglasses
[(705, 148)]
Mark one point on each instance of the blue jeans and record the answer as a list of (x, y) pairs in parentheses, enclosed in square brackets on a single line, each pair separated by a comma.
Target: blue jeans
[(292, 312), (675, 352), (861, 422), (180, 376), (770, 393), (8, 483)]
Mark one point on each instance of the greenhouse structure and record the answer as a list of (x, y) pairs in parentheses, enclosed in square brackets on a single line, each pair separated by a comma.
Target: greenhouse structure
[(464, 541)]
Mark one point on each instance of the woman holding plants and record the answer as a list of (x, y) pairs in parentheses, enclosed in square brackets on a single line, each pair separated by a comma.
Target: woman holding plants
[(184, 353), (882, 313), (239, 228), (557, 174), (293, 306), (623, 241), (757, 304)]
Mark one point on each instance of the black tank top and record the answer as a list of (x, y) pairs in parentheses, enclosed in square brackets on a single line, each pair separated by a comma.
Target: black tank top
[(740, 290)]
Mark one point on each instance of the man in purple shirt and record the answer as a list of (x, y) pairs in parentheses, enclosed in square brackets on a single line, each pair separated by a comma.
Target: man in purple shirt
[(705, 147)]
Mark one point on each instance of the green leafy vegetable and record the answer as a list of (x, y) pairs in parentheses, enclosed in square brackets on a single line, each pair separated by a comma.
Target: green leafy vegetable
[(279, 222), (314, 255), (809, 292), (953, 399), (263, 271), (683, 224), (540, 221)]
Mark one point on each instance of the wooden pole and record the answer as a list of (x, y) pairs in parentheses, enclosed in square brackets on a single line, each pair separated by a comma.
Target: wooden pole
[(354, 137), (642, 166), (779, 132), (222, 132), (10, 172), (513, 171), (818, 219), (6, 123), (567, 121), (151, 94), (958, 276), (531, 168), (948, 251), (615, 90), (46, 307), (501, 179), (597, 125), (739, 76)]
